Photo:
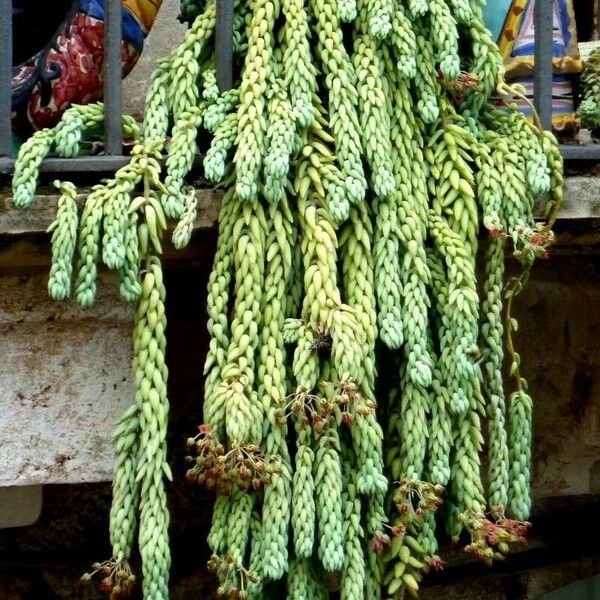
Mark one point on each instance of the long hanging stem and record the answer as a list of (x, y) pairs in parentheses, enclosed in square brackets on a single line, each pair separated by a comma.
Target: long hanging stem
[(361, 155)]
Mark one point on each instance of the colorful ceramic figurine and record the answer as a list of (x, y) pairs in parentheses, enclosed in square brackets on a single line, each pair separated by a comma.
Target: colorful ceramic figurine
[(512, 24), (69, 69)]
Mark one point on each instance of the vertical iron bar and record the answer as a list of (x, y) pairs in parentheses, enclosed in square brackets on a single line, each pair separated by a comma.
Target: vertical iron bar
[(544, 42), (224, 44), (113, 101), (5, 76)]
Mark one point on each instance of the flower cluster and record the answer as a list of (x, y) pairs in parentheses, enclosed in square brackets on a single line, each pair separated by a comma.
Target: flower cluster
[(243, 467), (351, 404), (407, 550), (343, 401), (116, 578), (491, 537), (415, 498), (226, 569), (457, 88), (435, 562), (531, 243), (308, 409)]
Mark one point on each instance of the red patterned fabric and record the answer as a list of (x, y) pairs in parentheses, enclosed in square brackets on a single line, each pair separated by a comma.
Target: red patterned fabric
[(79, 53), (70, 69)]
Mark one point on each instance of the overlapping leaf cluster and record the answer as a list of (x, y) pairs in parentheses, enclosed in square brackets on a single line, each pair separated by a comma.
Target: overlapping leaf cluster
[(589, 109), (362, 154)]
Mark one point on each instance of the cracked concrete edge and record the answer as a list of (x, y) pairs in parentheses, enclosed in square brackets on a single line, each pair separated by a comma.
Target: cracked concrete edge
[(582, 201), (37, 218)]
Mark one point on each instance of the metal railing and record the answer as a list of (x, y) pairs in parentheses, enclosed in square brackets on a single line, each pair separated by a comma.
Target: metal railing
[(113, 142), (113, 102)]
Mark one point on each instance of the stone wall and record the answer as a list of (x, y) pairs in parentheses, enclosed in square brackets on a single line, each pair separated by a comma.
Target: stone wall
[(558, 338)]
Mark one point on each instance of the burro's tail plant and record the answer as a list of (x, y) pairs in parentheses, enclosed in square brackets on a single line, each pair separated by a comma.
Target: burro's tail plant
[(589, 109), (363, 150)]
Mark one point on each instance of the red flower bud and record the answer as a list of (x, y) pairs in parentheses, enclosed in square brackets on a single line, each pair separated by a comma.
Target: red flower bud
[(106, 584), (436, 563), (347, 419), (376, 545), (536, 239), (398, 530)]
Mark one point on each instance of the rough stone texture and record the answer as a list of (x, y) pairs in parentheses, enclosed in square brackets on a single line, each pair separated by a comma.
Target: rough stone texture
[(64, 377), (582, 198), (559, 313)]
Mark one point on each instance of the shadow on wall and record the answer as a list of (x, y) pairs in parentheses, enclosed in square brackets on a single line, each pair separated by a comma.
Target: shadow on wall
[(588, 589)]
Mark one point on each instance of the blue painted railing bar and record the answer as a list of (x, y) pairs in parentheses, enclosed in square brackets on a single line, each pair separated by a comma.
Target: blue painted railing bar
[(81, 164), (5, 76), (224, 44), (580, 151), (544, 16)]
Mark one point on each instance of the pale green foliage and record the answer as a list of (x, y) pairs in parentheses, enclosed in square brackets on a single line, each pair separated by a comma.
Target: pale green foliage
[(359, 169)]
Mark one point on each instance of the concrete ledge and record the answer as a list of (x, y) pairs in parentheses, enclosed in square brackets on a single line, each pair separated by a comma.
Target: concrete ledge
[(37, 218), (582, 198), (24, 242), (582, 201)]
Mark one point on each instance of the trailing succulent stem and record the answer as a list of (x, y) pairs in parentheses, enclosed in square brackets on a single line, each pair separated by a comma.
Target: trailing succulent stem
[(362, 150)]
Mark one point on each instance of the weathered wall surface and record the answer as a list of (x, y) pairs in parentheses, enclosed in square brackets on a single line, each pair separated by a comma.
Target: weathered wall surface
[(560, 328), (65, 371), (64, 375), (559, 339)]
